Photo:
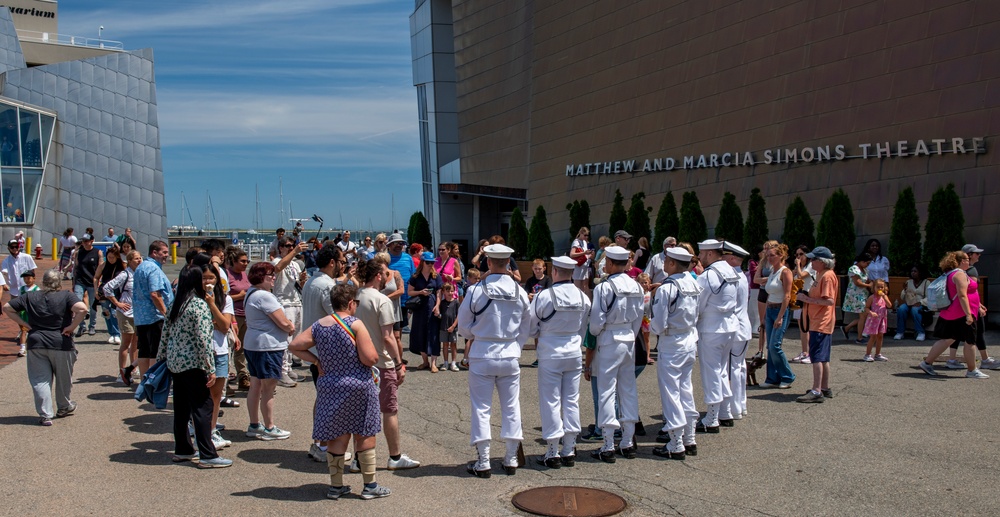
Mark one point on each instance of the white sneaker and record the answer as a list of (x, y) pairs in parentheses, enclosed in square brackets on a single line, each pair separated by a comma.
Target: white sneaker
[(404, 462), (990, 364), (898, 336), (274, 433), (454, 366), (355, 466), (111, 340), (954, 364), (868, 358), (118, 340), (880, 357), (806, 360), (976, 374), (317, 454), (219, 441), (921, 336), (23, 351)]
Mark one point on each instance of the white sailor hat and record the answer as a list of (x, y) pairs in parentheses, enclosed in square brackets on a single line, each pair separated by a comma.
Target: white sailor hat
[(710, 244), (498, 251), (563, 262), (679, 254), (735, 249), (616, 253)]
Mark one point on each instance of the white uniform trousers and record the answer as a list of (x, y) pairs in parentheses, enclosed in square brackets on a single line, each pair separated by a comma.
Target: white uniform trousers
[(673, 369), (615, 367), (713, 351), (737, 404), (559, 396), (505, 375), (294, 314)]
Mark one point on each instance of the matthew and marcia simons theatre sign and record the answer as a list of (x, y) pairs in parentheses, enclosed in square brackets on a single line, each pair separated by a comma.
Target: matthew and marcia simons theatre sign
[(817, 154)]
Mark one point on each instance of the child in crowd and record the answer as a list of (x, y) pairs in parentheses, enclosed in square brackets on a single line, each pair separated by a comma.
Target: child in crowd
[(878, 306), (28, 278), (472, 276), (538, 281), (449, 321), (647, 284)]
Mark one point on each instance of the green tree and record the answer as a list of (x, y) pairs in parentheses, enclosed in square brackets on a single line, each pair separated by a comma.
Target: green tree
[(799, 226), (574, 218), (419, 230), (618, 216), (637, 223), (836, 230), (517, 234), (904, 238), (667, 223), (945, 226), (584, 215), (730, 225), (693, 228), (755, 232), (540, 243)]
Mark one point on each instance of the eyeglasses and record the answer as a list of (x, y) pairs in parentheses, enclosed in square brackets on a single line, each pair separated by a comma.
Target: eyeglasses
[(342, 262), (287, 246)]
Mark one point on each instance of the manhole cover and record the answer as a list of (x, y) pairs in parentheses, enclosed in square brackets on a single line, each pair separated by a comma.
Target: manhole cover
[(569, 501)]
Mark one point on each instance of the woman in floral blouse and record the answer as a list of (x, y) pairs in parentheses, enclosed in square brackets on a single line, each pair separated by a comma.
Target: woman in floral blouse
[(186, 345)]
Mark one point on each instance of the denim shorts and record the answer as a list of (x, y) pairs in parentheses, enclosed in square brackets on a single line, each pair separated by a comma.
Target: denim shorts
[(221, 366), (265, 365)]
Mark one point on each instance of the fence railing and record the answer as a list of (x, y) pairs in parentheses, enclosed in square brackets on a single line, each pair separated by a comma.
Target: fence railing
[(66, 39)]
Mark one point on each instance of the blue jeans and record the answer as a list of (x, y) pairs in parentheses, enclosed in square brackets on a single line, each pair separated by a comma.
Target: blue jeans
[(89, 289), (778, 370), (111, 320), (914, 311)]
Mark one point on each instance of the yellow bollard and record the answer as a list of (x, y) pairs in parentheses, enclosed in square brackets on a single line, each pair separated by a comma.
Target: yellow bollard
[(173, 253), (55, 248), (27, 246)]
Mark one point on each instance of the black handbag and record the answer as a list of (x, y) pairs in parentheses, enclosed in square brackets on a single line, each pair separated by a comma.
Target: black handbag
[(414, 303)]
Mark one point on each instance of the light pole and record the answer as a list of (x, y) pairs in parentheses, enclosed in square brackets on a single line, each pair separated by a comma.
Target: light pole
[(100, 30)]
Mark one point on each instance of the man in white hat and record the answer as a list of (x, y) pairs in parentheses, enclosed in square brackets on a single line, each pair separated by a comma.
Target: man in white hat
[(736, 408), (495, 314), (615, 318), (674, 320), (717, 327), (558, 319)]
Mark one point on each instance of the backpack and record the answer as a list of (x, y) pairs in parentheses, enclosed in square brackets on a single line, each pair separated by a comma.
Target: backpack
[(937, 293)]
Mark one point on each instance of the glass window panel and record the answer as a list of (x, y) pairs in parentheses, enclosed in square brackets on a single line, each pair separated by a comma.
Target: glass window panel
[(9, 155), (10, 188), (47, 124), (31, 139), (32, 186)]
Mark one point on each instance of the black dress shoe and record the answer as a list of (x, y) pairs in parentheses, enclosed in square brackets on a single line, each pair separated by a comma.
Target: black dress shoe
[(640, 430), (664, 453), (691, 450), (471, 469), (727, 422), (509, 470), (700, 428), (552, 463), (627, 452), (568, 461), (605, 456)]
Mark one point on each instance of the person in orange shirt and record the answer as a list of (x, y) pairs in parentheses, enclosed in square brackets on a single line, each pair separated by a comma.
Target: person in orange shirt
[(820, 321)]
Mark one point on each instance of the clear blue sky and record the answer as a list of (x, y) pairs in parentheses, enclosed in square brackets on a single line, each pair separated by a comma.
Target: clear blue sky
[(318, 92)]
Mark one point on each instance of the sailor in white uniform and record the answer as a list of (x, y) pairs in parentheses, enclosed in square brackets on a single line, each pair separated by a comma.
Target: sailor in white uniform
[(495, 314), (737, 406), (717, 327), (615, 318), (675, 316), (559, 321)]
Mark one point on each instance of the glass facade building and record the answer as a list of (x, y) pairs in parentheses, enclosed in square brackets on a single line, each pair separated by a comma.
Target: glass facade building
[(25, 139)]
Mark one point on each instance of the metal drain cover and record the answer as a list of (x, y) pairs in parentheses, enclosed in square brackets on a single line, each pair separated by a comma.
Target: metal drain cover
[(569, 501)]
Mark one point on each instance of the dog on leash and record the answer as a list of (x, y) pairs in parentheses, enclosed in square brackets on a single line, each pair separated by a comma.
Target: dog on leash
[(754, 363)]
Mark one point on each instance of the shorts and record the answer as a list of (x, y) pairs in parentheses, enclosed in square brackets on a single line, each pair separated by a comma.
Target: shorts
[(956, 330), (265, 364), (126, 324), (819, 347), (388, 385), (581, 273), (762, 296), (149, 339), (221, 366), (396, 327)]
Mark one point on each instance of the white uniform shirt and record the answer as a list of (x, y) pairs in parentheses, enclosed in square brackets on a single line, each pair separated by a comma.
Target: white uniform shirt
[(495, 313), (617, 308), (565, 310), (654, 268), (717, 302), (675, 306), (742, 301)]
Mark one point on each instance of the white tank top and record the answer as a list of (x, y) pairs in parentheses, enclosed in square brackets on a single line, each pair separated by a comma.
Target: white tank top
[(775, 289)]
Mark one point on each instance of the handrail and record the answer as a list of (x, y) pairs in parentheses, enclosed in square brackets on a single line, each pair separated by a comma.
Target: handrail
[(66, 39)]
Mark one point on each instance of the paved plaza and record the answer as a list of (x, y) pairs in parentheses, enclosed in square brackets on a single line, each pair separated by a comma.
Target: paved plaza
[(892, 442)]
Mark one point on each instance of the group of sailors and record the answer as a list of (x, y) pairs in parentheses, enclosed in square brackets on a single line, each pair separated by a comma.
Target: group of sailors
[(704, 317)]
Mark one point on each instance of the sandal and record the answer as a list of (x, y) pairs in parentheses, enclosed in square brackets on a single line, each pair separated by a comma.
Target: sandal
[(423, 367), (228, 402)]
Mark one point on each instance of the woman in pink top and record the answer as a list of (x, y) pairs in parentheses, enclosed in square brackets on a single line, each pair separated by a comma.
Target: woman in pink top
[(958, 321), (446, 265)]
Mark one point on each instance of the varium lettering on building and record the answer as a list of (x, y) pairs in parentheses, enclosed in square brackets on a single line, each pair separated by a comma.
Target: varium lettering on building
[(789, 155)]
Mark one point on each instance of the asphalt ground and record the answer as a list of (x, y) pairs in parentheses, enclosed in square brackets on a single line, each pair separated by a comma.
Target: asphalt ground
[(893, 441)]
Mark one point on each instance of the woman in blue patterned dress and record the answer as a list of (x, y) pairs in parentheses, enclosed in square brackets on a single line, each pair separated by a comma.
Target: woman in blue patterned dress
[(346, 394)]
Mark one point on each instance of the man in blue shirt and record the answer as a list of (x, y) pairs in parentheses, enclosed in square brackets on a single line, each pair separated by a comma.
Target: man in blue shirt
[(151, 295), (400, 261)]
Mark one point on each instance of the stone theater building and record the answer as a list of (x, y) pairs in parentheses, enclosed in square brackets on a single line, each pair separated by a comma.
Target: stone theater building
[(525, 103)]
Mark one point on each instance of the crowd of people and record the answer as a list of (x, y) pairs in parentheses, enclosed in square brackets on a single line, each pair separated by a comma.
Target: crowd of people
[(226, 325)]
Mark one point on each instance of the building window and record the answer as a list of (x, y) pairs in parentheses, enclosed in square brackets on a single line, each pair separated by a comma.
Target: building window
[(25, 139)]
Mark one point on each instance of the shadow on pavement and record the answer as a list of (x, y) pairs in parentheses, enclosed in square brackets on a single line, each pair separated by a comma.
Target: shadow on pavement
[(776, 397), (310, 492), (919, 374), (19, 420), (109, 380), (112, 395), (146, 453), (151, 423), (457, 471), (292, 459)]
